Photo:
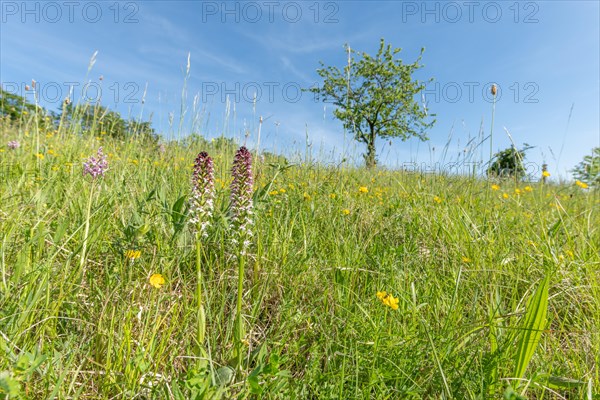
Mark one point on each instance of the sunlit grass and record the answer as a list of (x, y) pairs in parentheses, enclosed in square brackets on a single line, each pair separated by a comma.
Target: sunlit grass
[(358, 283)]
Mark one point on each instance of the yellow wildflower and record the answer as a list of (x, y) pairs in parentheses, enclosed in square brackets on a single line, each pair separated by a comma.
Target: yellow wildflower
[(363, 189), (528, 189), (517, 191), (40, 156), (545, 174), (133, 254), (466, 259), (504, 195), (306, 196), (495, 187), (345, 211), (274, 193), (388, 300), (392, 302), (332, 196), (282, 190), (157, 280), (437, 199), (570, 253), (582, 185)]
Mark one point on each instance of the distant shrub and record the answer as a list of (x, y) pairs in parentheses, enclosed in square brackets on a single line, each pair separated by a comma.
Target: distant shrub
[(509, 163), (588, 170)]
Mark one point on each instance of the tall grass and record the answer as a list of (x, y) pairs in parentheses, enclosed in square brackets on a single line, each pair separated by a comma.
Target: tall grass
[(497, 295)]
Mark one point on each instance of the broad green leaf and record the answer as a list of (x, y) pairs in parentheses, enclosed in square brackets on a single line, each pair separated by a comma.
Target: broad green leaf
[(533, 325)]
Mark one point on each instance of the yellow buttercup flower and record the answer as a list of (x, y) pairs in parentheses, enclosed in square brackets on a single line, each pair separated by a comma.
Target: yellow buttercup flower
[(437, 199), (582, 185), (504, 196), (345, 211), (495, 187), (528, 189), (466, 259), (363, 189), (545, 174), (157, 280)]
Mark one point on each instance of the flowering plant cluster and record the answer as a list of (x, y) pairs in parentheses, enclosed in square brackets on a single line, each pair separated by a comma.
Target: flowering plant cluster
[(201, 203), (203, 193), (96, 166), (388, 300), (241, 200)]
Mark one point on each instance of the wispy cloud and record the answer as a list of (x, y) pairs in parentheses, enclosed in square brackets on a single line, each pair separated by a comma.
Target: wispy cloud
[(289, 66), (300, 44)]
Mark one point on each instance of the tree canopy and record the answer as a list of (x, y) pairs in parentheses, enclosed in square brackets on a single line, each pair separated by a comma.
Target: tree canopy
[(375, 97)]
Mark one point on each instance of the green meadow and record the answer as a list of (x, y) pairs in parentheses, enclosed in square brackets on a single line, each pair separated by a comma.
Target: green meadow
[(491, 286)]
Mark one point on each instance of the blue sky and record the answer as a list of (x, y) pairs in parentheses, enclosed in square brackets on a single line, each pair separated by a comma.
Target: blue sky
[(544, 56)]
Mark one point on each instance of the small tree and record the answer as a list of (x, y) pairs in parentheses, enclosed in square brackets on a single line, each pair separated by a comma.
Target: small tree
[(588, 170), (375, 97), (509, 163)]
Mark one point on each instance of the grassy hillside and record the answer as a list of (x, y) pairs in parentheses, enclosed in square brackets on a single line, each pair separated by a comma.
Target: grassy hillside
[(492, 288)]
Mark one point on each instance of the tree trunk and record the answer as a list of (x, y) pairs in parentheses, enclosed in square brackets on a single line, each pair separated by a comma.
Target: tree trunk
[(370, 159)]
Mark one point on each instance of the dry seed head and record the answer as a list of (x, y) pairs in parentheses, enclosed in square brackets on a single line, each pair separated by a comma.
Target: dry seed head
[(494, 89)]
